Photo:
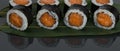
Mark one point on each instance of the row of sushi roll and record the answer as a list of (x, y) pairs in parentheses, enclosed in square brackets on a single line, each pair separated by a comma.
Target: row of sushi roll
[(20, 15), (49, 14), (104, 14), (97, 3)]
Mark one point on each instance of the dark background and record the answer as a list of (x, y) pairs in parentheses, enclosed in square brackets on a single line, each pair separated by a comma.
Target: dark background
[(36, 46)]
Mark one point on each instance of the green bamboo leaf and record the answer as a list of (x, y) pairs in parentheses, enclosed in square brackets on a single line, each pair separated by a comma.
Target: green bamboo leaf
[(35, 31)]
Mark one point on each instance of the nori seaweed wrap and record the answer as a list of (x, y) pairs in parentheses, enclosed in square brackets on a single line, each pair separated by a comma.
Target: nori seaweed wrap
[(41, 3), (19, 17), (97, 3), (76, 17), (48, 17), (106, 17), (69, 3)]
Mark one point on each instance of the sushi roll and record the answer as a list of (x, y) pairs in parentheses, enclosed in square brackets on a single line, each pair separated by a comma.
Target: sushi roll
[(27, 3), (48, 17), (19, 18), (19, 42), (76, 17), (106, 17), (97, 3), (41, 3), (72, 2), (48, 42)]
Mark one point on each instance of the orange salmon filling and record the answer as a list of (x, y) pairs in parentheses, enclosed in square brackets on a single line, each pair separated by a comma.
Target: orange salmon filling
[(21, 2), (47, 20), (15, 20), (75, 19), (104, 20), (103, 1), (47, 1), (75, 2)]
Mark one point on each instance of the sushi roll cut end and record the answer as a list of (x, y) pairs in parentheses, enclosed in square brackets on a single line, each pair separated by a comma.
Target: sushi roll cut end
[(47, 20), (72, 2), (48, 2), (75, 19), (104, 19), (17, 20)]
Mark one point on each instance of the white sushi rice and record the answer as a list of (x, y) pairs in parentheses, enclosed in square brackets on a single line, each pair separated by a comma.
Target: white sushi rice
[(84, 2), (54, 15), (24, 20), (98, 4), (106, 12), (56, 2), (12, 3), (66, 19)]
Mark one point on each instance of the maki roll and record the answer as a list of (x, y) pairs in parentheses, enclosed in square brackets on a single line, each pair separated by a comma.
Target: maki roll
[(76, 17), (19, 42), (48, 17), (106, 17), (27, 3), (72, 2), (19, 17), (97, 3), (41, 3), (49, 42)]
